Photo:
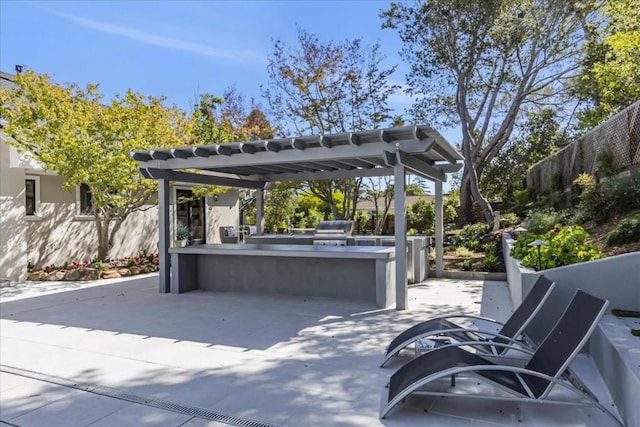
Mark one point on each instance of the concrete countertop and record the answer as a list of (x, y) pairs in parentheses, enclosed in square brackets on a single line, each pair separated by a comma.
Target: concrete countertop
[(302, 251)]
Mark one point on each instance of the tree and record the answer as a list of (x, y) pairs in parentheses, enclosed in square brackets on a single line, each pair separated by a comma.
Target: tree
[(609, 80), (479, 63), (74, 134), (323, 87), (540, 137), (223, 120), (379, 189), (280, 207), (421, 216)]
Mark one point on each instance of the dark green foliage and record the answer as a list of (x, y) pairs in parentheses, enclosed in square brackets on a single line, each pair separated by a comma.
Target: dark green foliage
[(466, 265), (540, 137), (599, 201), (606, 163), (421, 216), (540, 221), (509, 219), (491, 260), (627, 231), (566, 246), (471, 235)]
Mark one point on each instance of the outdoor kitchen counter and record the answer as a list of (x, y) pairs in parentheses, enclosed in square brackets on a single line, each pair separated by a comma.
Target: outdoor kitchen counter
[(351, 272)]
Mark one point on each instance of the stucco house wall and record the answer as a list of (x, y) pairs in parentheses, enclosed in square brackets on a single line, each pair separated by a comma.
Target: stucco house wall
[(56, 234)]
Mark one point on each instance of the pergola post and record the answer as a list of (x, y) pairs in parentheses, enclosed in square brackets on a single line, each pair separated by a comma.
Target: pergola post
[(163, 236), (400, 226), (439, 230), (259, 211)]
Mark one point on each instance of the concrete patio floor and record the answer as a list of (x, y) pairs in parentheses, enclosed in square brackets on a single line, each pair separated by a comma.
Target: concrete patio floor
[(118, 353)]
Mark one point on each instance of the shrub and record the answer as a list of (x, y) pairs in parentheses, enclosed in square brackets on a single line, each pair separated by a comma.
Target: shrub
[(466, 265), (627, 231), (540, 221), (471, 235), (463, 252), (566, 246), (509, 219), (592, 201), (624, 192), (491, 260)]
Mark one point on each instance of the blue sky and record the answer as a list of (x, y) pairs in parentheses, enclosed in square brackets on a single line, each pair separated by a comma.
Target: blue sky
[(180, 48), (176, 49)]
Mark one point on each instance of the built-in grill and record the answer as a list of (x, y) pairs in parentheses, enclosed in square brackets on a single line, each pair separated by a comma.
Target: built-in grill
[(333, 233)]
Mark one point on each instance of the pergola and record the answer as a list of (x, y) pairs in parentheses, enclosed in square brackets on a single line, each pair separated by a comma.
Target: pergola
[(417, 150)]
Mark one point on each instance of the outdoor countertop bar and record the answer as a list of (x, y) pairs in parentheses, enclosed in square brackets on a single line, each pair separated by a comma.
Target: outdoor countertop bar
[(351, 272), (283, 250)]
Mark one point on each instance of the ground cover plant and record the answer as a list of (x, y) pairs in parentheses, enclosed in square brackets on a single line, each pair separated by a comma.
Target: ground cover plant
[(566, 245)]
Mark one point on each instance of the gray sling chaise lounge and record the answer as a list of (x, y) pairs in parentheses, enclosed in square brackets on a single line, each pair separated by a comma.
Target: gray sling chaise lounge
[(488, 342), (531, 383)]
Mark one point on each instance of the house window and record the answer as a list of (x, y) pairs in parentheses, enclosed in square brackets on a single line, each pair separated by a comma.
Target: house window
[(84, 200), (31, 196)]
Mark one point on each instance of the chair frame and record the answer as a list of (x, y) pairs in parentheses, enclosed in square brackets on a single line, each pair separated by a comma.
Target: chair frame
[(519, 341), (564, 378)]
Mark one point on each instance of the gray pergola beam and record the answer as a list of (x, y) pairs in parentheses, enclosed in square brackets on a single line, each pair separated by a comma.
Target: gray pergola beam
[(421, 168), (335, 174), (195, 178)]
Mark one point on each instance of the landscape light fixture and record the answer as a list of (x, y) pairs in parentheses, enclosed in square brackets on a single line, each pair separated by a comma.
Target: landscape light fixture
[(538, 244), (518, 231)]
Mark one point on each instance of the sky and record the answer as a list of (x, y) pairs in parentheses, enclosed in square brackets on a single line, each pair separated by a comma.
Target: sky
[(179, 49)]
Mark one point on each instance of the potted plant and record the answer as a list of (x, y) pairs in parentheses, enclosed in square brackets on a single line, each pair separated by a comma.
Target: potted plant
[(183, 234)]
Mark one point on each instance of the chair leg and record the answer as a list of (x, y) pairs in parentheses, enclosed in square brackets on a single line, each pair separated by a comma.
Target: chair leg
[(521, 412), (453, 380)]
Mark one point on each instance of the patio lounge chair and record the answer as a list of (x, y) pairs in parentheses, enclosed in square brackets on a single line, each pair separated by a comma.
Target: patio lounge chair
[(531, 383), (487, 342)]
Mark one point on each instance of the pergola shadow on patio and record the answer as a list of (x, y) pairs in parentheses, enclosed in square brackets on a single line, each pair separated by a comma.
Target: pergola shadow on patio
[(418, 150)]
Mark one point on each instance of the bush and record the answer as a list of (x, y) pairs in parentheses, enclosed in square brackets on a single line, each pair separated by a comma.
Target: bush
[(471, 235), (491, 260), (466, 265), (463, 252), (509, 219), (624, 192), (540, 221), (627, 231), (593, 204), (566, 246)]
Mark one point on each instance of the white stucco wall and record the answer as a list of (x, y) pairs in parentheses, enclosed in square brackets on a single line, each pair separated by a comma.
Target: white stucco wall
[(57, 235), (13, 242)]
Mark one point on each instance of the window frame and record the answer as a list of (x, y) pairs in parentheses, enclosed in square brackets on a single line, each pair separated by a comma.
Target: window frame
[(36, 197), (80, 213)]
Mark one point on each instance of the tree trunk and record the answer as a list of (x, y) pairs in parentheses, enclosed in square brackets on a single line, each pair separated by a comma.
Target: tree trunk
[(466, 202), (103, 238)]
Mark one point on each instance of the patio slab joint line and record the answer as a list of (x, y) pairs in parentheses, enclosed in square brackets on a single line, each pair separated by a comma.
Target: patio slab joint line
[(134, 398)]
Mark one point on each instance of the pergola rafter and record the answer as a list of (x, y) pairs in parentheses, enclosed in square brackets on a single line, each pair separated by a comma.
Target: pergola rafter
[(418, 150)]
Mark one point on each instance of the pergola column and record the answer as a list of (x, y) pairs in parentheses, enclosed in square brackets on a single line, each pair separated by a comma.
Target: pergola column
[(439, 230), (259, 211), (163, 236), (400, 226)]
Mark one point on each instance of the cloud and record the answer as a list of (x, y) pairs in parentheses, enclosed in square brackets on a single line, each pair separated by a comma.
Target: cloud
[(166, 42)]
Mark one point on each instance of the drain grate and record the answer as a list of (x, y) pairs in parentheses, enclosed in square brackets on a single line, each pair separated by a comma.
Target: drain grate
[(134, 398)]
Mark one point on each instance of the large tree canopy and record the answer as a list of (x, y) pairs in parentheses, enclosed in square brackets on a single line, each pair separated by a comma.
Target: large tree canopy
[(322, 87), (540, 137), (610, 80), (87, 141), (479, 63)]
